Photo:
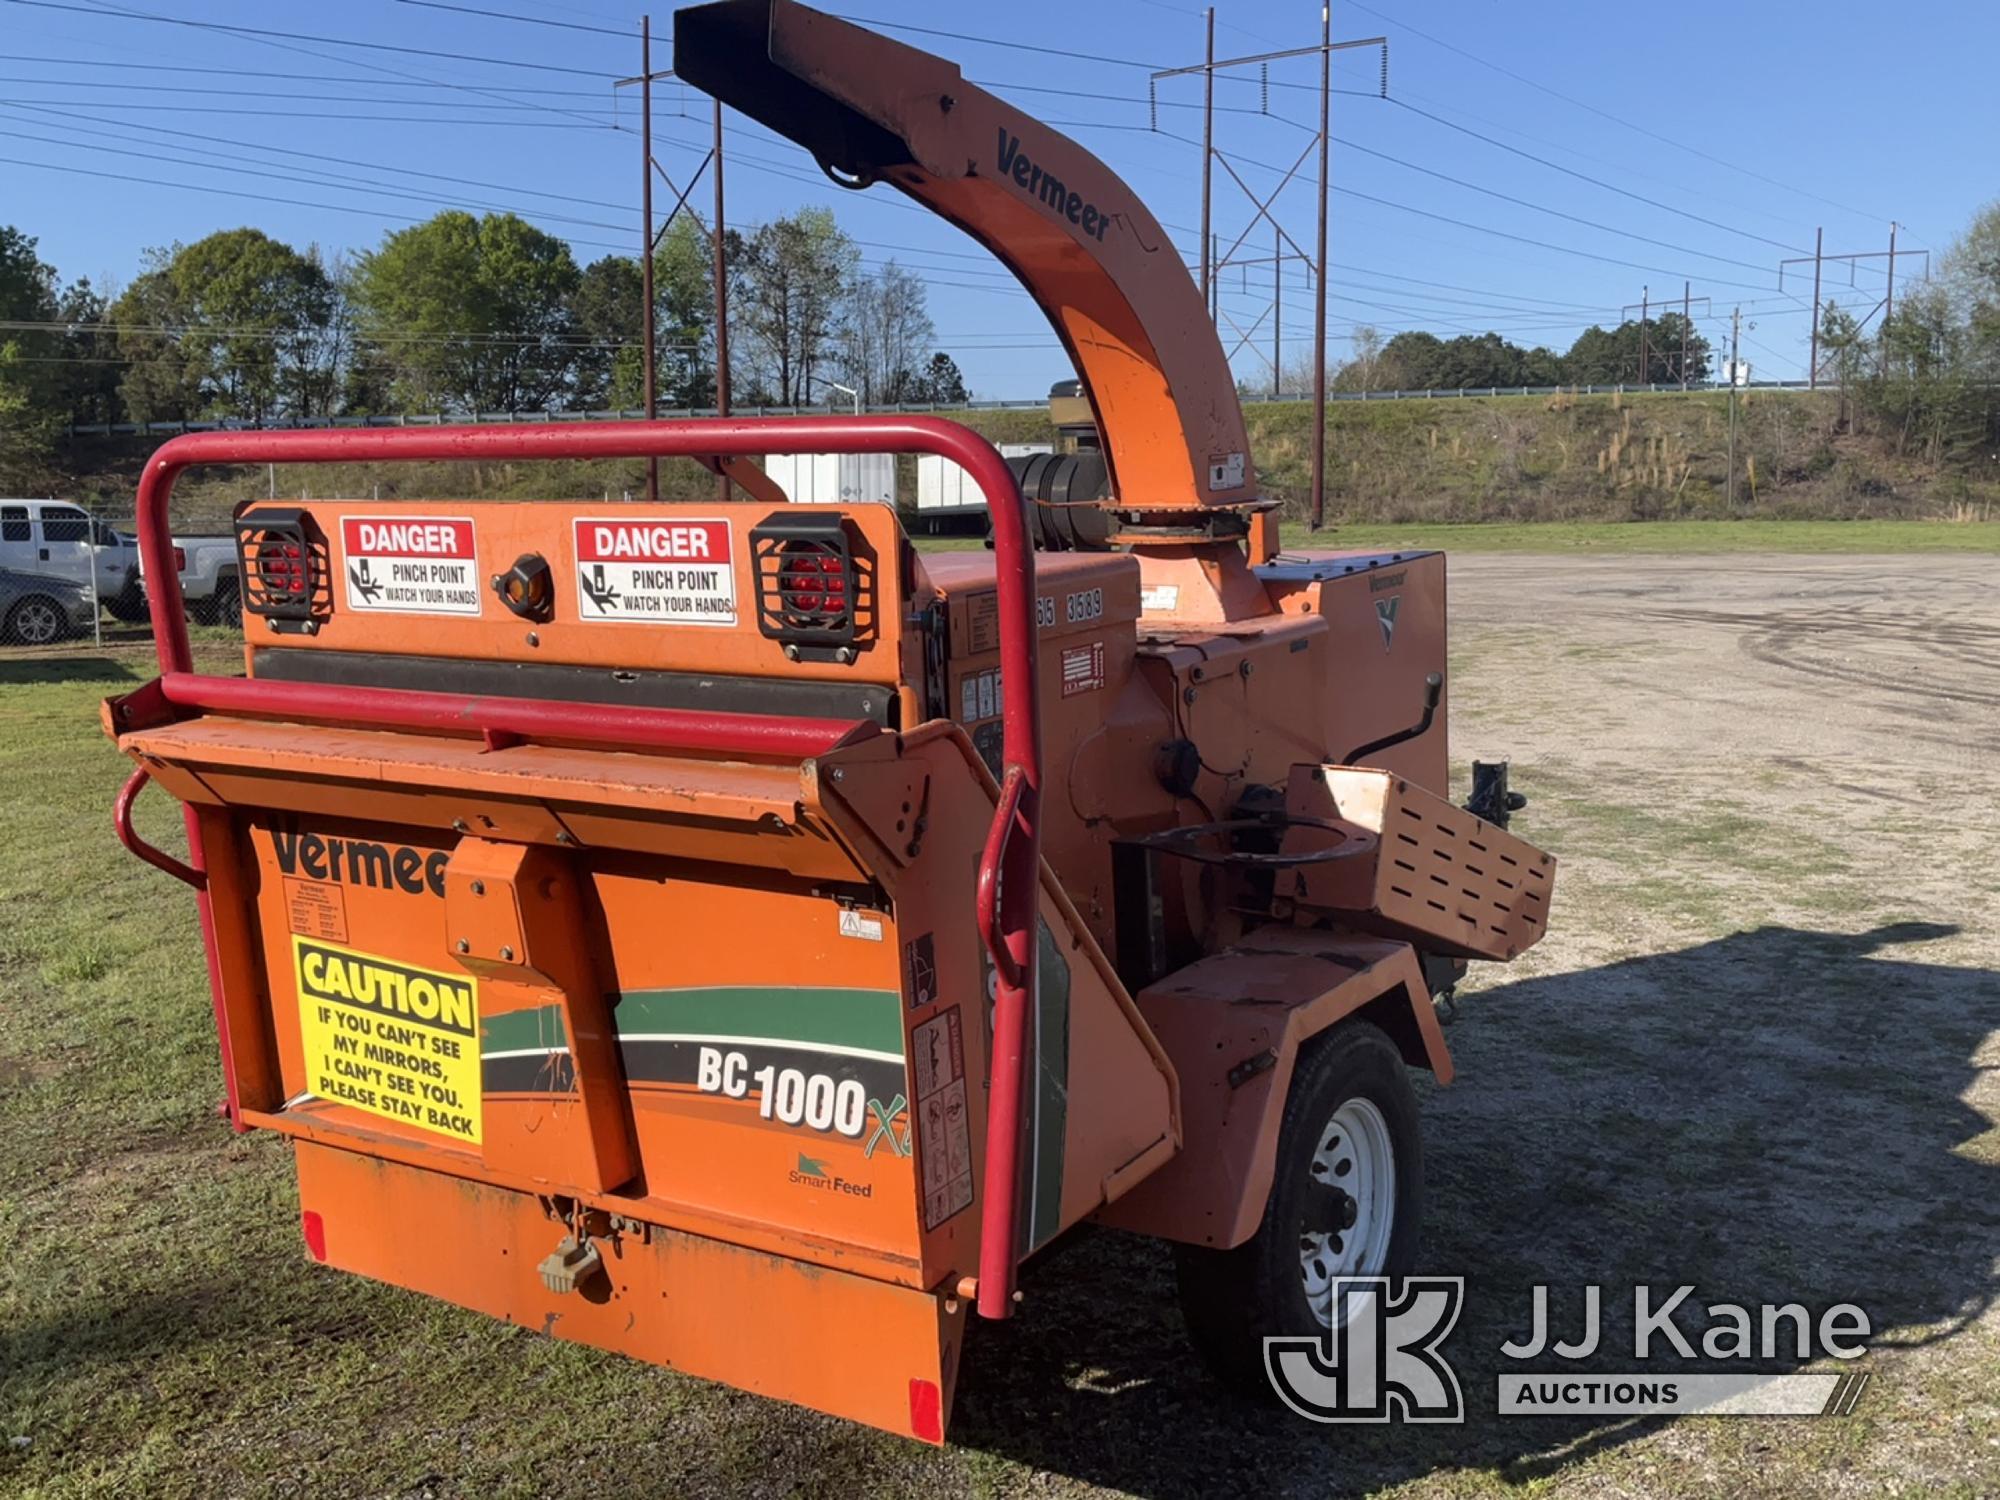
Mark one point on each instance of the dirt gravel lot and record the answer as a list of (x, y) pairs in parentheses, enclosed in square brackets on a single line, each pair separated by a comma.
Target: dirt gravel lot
[(1756, 1054)]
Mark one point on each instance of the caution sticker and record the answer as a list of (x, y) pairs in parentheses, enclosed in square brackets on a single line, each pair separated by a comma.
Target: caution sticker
[(393, 1040), (656, 570), (411, 565)]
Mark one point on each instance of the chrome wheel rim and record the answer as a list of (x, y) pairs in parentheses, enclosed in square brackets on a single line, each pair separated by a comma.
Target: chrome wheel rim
[(1356, 1156), (36, 623)]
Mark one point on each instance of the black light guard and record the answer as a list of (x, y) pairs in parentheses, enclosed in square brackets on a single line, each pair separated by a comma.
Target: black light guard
[(815, 583)]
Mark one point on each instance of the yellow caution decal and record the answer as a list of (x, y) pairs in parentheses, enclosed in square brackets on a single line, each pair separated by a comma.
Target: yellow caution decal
[(390, 1039)]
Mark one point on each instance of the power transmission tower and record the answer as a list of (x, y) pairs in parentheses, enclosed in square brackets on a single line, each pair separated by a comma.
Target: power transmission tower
[(650, 242), (1645, 304), (1886, 306), (1211, 262)]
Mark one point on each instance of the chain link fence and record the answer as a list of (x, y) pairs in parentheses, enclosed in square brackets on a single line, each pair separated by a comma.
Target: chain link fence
[(70, 585)]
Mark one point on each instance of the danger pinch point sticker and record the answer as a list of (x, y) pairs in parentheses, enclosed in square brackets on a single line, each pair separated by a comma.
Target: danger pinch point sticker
[(655, 570), (410, 565)]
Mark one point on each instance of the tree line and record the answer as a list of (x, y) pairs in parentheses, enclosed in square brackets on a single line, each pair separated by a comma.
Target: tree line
[(1648, 352), (458, 314)]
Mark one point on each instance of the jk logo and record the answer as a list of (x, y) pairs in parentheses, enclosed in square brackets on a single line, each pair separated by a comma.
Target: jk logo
[(1379, 1362)]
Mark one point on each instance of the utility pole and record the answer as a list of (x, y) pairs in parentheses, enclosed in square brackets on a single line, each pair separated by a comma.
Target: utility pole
[(1207, 156), (1645, 309), (1687, 307), (646, 237), (1819, 244), (1735, 331), (721, 293), (1277, 314), (1319, 299), (1889, 293)]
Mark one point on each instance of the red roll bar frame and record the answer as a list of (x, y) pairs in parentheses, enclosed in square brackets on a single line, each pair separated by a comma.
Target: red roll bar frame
[(1010, 868)]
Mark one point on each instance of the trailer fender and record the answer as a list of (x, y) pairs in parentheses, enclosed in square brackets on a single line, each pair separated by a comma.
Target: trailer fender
[(1233, 1024)]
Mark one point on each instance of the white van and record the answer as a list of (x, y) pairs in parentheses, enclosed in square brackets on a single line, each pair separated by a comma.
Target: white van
[(46, 536)]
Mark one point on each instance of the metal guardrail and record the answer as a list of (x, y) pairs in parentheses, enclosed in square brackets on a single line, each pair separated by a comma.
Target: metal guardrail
[(488, 418)]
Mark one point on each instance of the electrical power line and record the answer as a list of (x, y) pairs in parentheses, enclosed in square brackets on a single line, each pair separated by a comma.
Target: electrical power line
[(233, 145), (299, 36), (1609, 187), (398, 82), (1603, 114), (626, 35)]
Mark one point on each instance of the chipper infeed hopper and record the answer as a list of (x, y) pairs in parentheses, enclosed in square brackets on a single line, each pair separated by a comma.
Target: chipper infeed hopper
[(716, 932)]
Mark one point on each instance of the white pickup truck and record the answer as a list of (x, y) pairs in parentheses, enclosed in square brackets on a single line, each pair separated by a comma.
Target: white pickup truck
[(210, 582), (58, 538)]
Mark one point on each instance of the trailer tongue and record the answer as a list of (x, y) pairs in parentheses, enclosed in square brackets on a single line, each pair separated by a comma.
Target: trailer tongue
[(715, 932)]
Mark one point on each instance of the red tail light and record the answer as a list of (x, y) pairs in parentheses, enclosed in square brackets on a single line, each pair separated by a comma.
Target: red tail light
[(282, 567), (812, 580), (180, 559), (815, 583)]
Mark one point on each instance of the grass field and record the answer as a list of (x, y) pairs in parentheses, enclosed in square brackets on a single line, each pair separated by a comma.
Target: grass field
[(1757, 1054), (1476, 458)]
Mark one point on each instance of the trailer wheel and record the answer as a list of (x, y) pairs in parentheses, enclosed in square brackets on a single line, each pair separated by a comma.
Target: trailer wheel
[(1346, 1200)]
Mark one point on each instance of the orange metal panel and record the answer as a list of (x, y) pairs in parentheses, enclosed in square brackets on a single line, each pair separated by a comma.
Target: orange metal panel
[(709, 809), (1437, 875), (1233, 1023), (504, 531), (1386, 632), (514, 916), (840, 1343)]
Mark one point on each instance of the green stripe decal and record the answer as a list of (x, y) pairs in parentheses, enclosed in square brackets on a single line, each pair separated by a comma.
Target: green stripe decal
[(523, 1030), (869, 1019)]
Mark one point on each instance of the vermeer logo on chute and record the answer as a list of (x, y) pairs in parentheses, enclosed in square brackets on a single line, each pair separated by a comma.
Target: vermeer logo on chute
[(1052, 190)]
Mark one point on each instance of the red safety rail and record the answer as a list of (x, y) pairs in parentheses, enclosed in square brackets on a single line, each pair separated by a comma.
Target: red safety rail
[(1010, 869)]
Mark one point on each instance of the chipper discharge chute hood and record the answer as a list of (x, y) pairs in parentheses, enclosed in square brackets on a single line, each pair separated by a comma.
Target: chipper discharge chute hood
[(716, 932), (1100, 266)]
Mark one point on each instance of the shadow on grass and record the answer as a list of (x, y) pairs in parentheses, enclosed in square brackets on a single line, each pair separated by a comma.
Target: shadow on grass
[(23, 669), (1774, 1116)]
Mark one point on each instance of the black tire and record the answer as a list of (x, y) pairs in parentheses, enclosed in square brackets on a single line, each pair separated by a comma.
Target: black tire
[(128, 605), (35, 621), (1235, 1299), (225, 606)]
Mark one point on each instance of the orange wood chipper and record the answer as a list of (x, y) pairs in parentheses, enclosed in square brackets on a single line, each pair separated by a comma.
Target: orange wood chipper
[(717, 932)]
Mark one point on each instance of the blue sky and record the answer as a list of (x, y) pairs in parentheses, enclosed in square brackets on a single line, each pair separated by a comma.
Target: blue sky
[(1747, 124)]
